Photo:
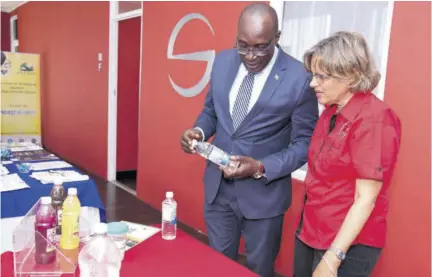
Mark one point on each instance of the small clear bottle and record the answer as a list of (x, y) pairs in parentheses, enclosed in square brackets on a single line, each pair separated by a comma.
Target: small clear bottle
[(213, 153), (100, 256), (169, 217)]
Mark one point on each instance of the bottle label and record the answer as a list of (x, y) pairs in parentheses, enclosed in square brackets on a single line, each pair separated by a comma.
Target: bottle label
[(76, 228), (51, 238), (59, 217), (169, 214), (219, 157), (70, 224)]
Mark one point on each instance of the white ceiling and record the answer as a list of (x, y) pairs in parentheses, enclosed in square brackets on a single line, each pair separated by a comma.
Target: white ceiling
[(8, 6)]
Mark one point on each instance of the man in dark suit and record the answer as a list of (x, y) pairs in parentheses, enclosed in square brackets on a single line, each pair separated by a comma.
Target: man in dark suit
[(261, 110)]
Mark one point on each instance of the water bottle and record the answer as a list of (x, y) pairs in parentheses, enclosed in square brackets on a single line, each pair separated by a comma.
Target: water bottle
[(213, 153), (169, 217), (100, 257)]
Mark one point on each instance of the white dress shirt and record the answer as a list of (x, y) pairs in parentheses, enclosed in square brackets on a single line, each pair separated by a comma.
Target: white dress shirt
[(259, 82)]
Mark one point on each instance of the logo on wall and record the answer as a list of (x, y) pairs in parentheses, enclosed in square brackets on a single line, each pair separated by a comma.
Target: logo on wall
[(206, 56)]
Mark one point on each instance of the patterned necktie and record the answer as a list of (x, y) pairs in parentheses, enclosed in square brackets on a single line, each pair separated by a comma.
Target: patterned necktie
[(241, 105)]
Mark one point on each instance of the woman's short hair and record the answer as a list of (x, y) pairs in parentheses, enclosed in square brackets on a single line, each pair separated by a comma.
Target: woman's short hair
[(345, 54)]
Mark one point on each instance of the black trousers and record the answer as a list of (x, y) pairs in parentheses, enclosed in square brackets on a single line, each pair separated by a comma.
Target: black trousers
[(226, 224), (359, 262)]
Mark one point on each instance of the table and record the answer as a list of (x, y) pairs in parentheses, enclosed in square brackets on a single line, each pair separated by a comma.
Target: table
[(183, 257), (15, 204), (19, 202)]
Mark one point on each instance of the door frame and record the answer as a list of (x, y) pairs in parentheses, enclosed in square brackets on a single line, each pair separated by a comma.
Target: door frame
[(114, 19)]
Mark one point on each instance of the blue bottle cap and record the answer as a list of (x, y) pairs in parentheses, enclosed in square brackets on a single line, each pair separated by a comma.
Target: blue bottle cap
[(117, 228)]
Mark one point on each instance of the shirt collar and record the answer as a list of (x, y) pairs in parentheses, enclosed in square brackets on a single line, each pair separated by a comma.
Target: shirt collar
[(354, 105)]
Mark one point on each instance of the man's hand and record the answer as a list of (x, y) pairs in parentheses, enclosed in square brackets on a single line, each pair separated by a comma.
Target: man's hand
[(186, 140), (242, 167)]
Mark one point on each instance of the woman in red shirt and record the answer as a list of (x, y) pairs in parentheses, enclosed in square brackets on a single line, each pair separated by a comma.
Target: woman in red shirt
[(351, 159)]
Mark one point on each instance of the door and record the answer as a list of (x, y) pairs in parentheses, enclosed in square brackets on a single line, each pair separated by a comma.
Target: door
[(124, 87)]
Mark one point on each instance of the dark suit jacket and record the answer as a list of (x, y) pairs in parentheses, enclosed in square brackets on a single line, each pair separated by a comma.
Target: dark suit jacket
[(277, 131)]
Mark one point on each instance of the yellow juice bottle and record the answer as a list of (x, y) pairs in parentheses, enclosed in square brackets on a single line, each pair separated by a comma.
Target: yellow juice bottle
[(69, 238)]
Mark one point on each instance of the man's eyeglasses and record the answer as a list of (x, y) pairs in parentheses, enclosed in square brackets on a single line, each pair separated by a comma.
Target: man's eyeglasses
[(258, 50)]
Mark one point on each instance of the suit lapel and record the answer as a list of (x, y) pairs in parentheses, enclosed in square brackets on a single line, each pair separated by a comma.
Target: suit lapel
[(272, 82), (229, 77)]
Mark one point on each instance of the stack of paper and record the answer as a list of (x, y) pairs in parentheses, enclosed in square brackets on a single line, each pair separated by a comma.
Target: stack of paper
[(12, 182), (49, 165), (26, 148), (48, 177)]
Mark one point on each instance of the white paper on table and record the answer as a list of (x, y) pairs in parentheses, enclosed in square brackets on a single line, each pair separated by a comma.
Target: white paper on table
[(33, 147), (138, 233), (49, 165), (48, 177), (17, 144), (3, 170), (12, 182)]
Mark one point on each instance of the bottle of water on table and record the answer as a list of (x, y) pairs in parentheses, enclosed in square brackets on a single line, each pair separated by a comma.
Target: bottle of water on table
[(213, 153), (100, 256), (169, 217)]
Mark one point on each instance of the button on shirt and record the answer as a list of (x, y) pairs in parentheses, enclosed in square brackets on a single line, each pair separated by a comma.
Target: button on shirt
[(363, 145)]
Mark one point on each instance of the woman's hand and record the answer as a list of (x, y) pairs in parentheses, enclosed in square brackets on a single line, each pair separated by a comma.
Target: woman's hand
[(328, 266)]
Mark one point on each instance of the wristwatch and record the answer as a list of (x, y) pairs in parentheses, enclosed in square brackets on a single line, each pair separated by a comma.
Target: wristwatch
[(339, 253), (260, 172)]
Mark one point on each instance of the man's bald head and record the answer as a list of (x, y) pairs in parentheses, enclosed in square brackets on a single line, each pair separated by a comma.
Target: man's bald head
[(257, 36), (260, 12)]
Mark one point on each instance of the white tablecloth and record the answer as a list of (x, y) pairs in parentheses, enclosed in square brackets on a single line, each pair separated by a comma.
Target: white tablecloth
[(7, 226)]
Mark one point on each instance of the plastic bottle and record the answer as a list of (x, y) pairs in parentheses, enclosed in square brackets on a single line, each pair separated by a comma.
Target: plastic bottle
[(169, 217), (69, 238), (100, 257), (117, 231), (58, 195), (213, 153), (45, 233)]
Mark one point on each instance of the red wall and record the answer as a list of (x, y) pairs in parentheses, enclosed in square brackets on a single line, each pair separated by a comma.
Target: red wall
[(408, 91), (69, 36), (5, 32), (74, 108), (164, 115), (129, 50)]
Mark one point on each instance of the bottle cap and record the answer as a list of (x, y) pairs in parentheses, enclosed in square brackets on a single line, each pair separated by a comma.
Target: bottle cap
[(117, 228), (72, 191), (169, 194), (58, 181), (46, 200), (194, 143), (100, 228)]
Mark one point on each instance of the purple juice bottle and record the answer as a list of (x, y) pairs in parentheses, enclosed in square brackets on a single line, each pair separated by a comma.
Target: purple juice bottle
[(45, 228)]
